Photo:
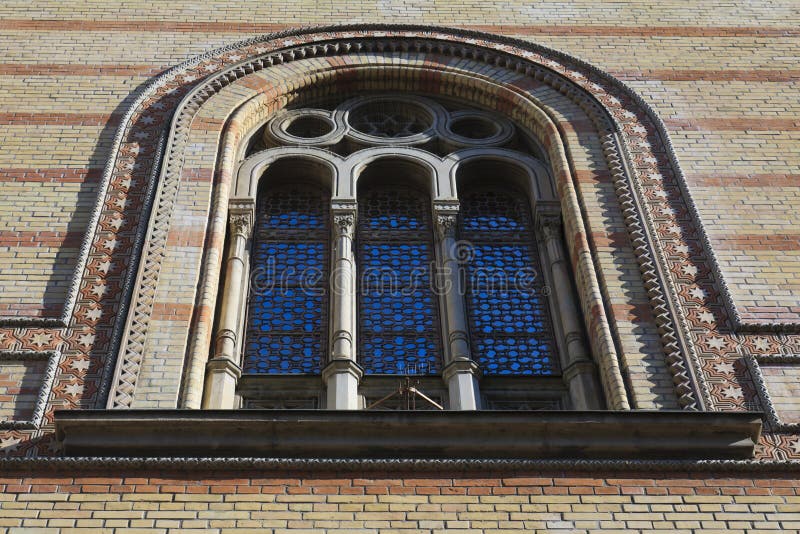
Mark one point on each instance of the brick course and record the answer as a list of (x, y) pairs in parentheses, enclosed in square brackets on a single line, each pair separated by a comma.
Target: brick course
[(295, 502)]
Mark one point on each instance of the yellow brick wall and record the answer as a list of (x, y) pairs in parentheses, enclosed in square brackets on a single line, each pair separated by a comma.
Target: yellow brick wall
[(692, 61)]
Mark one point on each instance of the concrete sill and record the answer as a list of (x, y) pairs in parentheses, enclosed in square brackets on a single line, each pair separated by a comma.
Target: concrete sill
[(397, 434)]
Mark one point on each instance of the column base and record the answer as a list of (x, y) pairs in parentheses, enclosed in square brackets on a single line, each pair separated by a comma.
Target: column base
[(341, 379), (581, 379), (222, 374), (461, 377)]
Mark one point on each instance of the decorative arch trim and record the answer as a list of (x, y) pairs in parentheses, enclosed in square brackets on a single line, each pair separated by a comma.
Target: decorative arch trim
[(632, 137)]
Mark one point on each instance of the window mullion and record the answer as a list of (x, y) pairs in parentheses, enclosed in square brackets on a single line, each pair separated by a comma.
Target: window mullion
[(461, 373), (342, 374)]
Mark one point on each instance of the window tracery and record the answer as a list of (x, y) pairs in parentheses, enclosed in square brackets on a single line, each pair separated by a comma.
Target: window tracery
[(401, 302)]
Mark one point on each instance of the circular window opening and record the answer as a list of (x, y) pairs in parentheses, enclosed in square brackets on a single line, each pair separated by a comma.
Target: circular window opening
[(474, 128), (390, 119), (309, 127)]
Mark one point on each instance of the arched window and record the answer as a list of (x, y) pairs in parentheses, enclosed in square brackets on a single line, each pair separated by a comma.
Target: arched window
[(398, 320), (355, 285), (287, 328), (509, 321)]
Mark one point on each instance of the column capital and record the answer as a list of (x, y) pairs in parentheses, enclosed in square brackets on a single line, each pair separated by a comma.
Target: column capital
[(445, 216), (345, 215), (344, 224), (241, 214), (446, 225), (548, 220)]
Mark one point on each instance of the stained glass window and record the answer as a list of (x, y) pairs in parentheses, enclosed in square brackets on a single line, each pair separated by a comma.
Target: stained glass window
[(287, 316), (509, 323), (398, 326)]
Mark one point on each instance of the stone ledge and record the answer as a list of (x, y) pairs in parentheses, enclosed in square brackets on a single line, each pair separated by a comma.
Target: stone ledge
[(374, 434)]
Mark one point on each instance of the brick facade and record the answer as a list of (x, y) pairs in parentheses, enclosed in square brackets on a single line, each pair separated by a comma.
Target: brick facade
[(726, 83), (409, 502)]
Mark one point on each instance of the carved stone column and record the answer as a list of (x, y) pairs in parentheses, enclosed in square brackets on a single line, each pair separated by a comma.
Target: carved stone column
[(342, 374), (222, 370), (460, 373), (578, 367)]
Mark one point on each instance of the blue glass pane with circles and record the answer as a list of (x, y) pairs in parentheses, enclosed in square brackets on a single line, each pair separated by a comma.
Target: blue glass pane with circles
[(279, 264), (282, 354), (506, 312), (515, 355), (398, 315), (294, 208), (495, 211), (385, 210), (287, 314), (507, 309), (394, 265), (286, 310)]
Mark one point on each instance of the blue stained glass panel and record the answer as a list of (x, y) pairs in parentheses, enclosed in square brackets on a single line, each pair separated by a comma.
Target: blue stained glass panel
[(398, 329), (509, 322), (287, 313)]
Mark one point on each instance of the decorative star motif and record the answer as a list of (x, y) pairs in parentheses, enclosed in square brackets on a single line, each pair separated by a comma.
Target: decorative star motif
[(650, 159), (724, 368), (80, 365), (87, 340), (640, 129), (9, 445), (210, 68), (104, 266), (689, 270), (661, 194), (99, 289), (141, 135), (697, 292), (732, 392), (2, 336), (706, 317), (110, 244), (121, 203), (94, 314), (716, 343), (667, 211), (674, 229), (761, 344), (74, 389), (41, 339), (117, 223), (682, 249), (795, 446), (148, 120)]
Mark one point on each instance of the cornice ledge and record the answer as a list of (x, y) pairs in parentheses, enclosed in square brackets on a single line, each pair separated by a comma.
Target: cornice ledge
[(361, 435)]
